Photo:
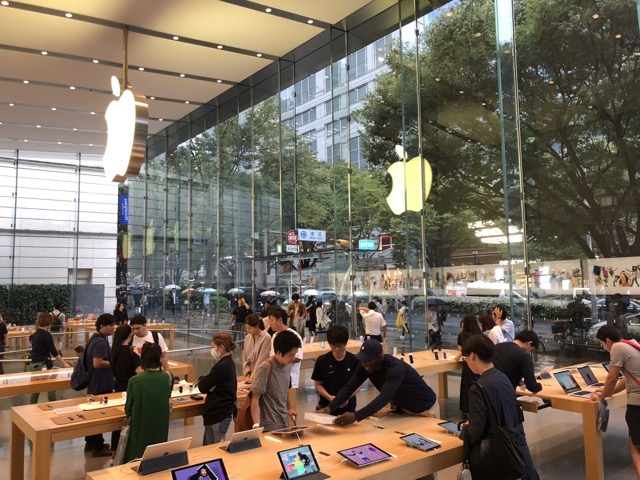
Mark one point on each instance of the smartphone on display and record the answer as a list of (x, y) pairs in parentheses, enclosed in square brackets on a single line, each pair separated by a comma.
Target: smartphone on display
[(418, 441), (451, 427)]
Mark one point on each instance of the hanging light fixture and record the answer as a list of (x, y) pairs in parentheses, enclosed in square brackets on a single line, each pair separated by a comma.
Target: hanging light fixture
[(127, 127)]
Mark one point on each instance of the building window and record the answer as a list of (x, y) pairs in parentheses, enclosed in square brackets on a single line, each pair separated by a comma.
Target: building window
[(356, 152), (357, 94), (337, 127), (310, 138), (306, 117), (336, 152), (335, 104), (306, 90), (339, 75), (381, 48), (358, 64)]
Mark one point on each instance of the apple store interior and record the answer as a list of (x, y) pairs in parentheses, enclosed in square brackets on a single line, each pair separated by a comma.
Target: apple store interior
[(430, 153)]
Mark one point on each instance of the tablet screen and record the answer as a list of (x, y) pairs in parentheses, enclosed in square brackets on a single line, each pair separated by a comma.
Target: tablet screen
[(298, 462), (210, 470), (418, 441), (364, 455), (451, 427)]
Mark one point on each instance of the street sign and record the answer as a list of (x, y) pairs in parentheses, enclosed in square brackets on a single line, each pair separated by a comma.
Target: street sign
[(307, 235), (292, 237), (292, 248)]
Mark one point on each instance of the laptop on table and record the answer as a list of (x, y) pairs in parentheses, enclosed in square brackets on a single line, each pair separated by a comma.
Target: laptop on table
[(589, 377), (569, 384)]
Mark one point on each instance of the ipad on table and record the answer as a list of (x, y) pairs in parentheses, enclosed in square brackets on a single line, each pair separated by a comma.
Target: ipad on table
[(364, 455), (418, 441), (300, 462), (451, 427), (209, 470)]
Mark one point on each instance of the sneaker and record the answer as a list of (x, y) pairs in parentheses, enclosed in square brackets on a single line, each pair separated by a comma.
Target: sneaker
[(105, 451)]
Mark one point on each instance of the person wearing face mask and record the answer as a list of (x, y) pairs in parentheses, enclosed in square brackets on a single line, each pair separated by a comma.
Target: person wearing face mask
[(220, 385)]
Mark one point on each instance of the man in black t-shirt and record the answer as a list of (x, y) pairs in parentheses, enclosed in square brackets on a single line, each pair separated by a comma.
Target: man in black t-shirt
[(514, 360), (334, 369), (238, 318)]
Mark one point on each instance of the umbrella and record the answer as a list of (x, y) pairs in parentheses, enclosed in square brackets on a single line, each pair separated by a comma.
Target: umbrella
[(188, 290), (235, 291), (360, 294), (310, 292), (269, 293), (172, 287), (206, 290), (435, 301)]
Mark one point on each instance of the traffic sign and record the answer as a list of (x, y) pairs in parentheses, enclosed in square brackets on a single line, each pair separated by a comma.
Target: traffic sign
[(292, 237)]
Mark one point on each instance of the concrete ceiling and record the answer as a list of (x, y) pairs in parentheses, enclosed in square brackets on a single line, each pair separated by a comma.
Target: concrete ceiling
[(57, 58)]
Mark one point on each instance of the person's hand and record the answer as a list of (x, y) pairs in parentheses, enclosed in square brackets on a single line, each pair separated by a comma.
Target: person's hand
[(248, 379), (326, 410), (345, 419), (293, 415), (596, 396)]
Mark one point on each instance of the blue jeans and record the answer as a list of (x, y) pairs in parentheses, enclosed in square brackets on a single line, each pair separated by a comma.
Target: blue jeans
[(216, 432)]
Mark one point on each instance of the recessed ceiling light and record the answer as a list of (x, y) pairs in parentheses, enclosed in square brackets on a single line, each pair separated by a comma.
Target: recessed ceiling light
[(72, 87), (478, 34), (38, 126), (152, 98), (75, 129), (0, 123), (175, 37), (220, 47), (160, 119), (4, 3), (437, 79), (44, 53), (93, 113), (618, 36), (449, 14), (461, 92), (26, 141), (141, 69), (186, 101), (25, 81), (53, 108), (219, 81), (268, 10), (12, 104), (258, 54), (59, 143), (637, 54), (551, 82), (309, 21), (96, 61), (595, 16), (182, 75), (68, 15), (91, 144), (484, 104)]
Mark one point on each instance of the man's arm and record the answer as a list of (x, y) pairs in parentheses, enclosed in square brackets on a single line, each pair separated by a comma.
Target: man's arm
[(345, 393), (529, 375), (255, 407), (611, 385), (474, 429), (393, 379), (383, 330), (322, 391)]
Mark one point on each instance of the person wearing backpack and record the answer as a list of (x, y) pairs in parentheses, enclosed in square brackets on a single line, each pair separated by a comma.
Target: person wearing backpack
[(98, 354), (141, 336), (58, 318), (43, 350), (625, 360)]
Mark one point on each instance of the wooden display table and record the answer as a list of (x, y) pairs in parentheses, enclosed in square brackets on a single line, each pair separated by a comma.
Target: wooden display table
[(262, 463)]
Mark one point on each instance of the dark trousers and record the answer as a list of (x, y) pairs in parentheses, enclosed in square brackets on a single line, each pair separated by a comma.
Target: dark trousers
[(530, 472)]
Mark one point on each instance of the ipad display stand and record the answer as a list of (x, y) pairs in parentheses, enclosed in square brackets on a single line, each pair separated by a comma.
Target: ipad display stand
[(165, 462), (244, 445)]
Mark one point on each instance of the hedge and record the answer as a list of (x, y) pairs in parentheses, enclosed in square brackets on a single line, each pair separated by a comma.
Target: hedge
[(20, 304)]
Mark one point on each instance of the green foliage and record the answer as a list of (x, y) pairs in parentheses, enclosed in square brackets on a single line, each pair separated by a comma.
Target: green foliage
[(21, 304), (220, 303)]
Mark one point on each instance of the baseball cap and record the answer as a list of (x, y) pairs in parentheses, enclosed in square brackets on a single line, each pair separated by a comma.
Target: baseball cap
[(369, 350)]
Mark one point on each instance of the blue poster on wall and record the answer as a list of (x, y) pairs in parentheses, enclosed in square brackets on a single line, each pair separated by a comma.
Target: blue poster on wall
[(124, 209)]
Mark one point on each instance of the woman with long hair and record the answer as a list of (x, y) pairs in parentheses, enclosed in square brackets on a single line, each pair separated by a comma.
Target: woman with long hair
[(221, 386), (257, 346), (120, 314), (469, 328)]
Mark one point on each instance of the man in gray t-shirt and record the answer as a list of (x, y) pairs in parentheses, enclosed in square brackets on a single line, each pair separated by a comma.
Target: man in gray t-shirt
[(625, 359), (269, 399)]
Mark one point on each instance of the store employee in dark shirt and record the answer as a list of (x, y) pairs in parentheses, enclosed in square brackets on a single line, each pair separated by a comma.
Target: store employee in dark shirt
[(397, 382), (334, 369), (514, 360)]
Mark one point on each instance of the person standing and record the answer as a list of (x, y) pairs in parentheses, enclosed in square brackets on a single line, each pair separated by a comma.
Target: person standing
[(435, 337), (58, 318), (148, 403), (120, 314), (625, 360), (514, 360), (257, 345), (397, 381), (239, 316), (498, 390), (278, 322), (102, 379), (496, 334), (470, 327), (375, 326), (142, 335), (3, 342), (334, 369), (220, 385), (270, 406), (43, 350), (296, 313), (508, 329), (312, 321), (125, 363)]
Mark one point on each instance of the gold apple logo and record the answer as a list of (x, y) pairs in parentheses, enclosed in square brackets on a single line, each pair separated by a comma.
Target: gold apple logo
[(412, 185), (127, 127)]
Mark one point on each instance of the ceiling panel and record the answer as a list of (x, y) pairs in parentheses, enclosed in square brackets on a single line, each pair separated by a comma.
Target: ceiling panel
[(328, 11)]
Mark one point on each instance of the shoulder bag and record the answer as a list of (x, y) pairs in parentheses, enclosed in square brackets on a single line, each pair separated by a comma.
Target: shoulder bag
[(244, 420)]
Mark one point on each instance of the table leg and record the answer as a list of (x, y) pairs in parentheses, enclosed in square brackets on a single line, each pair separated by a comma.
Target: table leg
[(16, 453), (593, 461), (171, 338), (41, 457), (443, 385)]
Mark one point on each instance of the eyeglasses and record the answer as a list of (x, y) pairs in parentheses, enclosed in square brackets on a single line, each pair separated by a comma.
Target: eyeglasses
[(338, 346)]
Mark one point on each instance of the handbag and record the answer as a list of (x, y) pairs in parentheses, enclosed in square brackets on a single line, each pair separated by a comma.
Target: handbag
[(244, 420), (464, 473), (498, 455)]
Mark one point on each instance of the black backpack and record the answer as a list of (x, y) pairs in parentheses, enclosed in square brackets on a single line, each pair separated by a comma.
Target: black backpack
[(81, 375), (56, 326)]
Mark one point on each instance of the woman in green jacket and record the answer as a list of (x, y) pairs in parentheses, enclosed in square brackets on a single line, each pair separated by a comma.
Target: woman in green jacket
[(148, 403)]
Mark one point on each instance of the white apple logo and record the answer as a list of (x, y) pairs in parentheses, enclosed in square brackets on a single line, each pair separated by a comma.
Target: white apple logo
[(127, 127), (412, 186)]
